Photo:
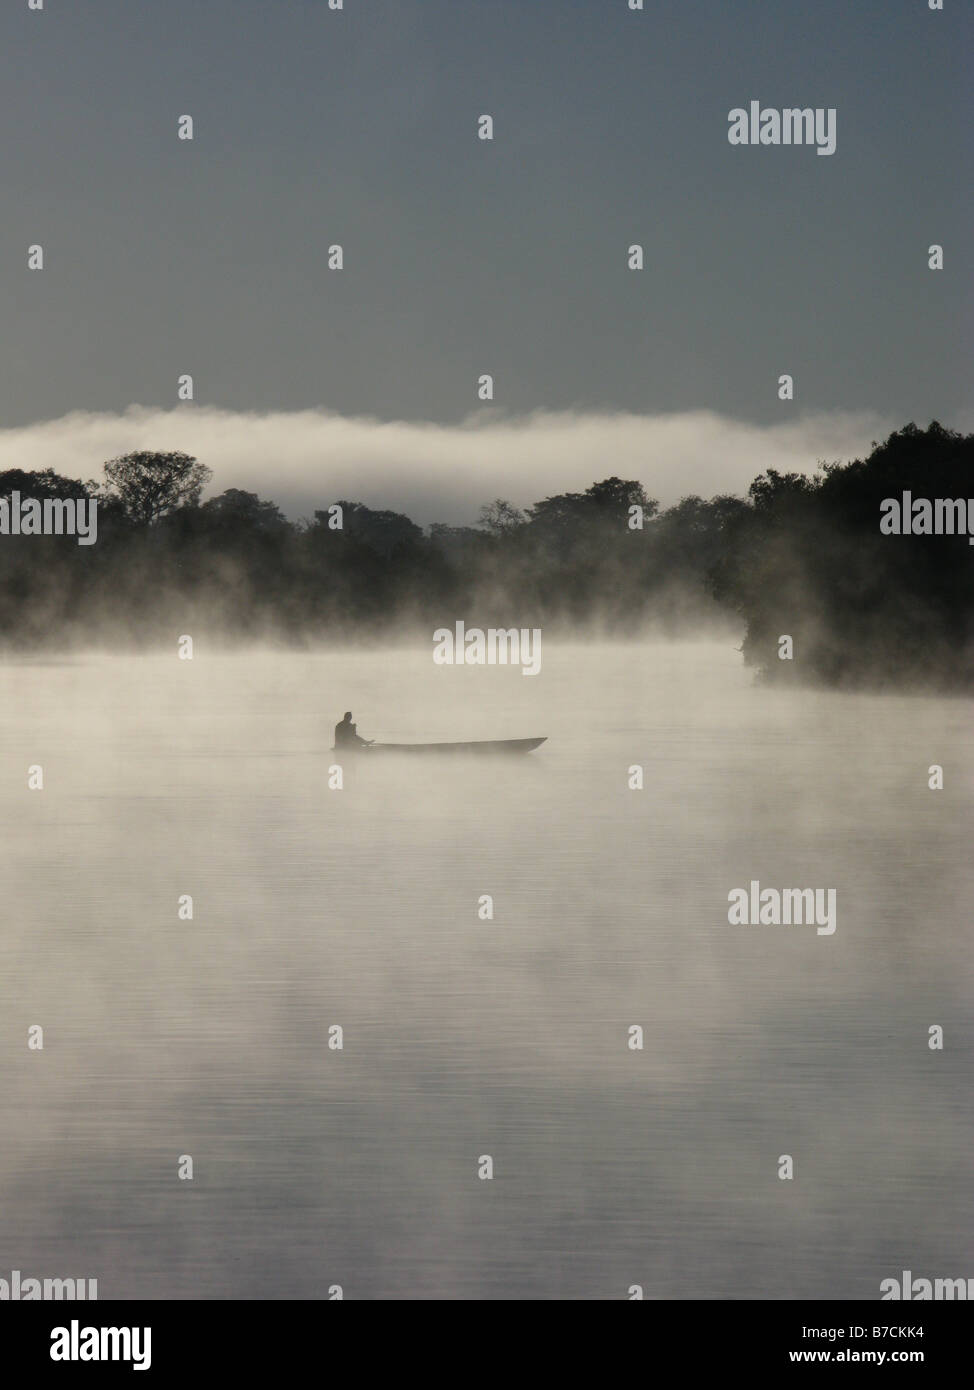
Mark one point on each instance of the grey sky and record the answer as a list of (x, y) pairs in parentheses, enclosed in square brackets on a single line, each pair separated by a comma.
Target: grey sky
[(463, 256)]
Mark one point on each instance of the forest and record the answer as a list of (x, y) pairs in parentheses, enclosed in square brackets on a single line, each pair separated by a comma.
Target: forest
[(800, 556)]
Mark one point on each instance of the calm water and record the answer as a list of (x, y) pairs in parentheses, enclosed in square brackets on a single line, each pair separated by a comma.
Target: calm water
[(465, 1037)]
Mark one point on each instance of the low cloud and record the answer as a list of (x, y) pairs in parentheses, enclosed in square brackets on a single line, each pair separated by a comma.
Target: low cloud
[(306, 459)]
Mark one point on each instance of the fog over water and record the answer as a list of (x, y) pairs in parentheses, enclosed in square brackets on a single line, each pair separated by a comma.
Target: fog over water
[(463, 1037), (435, 472)]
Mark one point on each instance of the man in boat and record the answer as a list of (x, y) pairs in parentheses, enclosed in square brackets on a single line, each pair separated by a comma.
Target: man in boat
[(345, 735)]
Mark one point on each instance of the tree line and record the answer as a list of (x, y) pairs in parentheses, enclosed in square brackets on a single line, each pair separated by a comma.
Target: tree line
[(799, 555)]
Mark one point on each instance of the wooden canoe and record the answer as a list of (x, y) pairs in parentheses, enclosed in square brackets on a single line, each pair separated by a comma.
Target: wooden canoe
[(499, 745)]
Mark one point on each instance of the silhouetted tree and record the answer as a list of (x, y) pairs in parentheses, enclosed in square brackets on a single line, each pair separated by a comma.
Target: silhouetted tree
[(148, 485), (382, 531), (41, 484), (235, 509), (799, 555), (500, 518), (807, 559)]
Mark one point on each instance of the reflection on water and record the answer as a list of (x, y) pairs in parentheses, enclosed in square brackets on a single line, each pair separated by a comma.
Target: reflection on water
[(465, 1037)]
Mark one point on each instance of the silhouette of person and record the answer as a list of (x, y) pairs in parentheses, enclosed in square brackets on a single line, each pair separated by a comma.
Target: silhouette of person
[(345, 735)]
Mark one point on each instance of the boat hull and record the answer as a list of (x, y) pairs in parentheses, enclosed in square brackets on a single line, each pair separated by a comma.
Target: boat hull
[(502, 745)]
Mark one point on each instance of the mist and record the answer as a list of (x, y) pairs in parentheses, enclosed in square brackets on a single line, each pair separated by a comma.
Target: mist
[(435, 472), (464, 1033)]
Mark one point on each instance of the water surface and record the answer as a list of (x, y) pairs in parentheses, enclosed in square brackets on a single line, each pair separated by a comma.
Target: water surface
[(464, 1037)]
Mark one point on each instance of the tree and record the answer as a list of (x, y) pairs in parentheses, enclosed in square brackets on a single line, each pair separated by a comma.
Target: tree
[(244, 511), (605, 503), (148, 485), (41, 484), (619, 495), (382, 531), (500, 518), (772, 489)]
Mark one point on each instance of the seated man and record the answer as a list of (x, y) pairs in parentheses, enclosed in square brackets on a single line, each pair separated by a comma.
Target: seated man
[(345, 735)]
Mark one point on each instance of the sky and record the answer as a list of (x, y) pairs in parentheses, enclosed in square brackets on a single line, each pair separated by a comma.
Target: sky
[(463, 257)]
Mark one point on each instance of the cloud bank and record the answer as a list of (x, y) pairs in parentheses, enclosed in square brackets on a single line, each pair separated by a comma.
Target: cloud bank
[(306, 459)]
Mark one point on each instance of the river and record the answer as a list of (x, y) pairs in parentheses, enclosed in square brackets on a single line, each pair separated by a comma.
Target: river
[(463, 1035)]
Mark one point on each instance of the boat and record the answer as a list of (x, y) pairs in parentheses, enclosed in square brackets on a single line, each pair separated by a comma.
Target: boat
[(497, 745)]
